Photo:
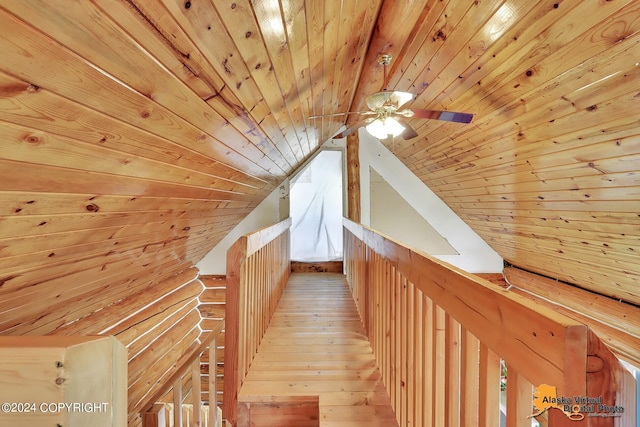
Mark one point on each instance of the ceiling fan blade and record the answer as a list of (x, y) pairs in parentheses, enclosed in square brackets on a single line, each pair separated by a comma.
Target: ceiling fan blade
[(341, 114), (408, 132), (352, 129), (448, 116)]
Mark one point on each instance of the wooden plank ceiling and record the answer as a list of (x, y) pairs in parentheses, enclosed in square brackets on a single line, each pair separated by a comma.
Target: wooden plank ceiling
[(136, 133)]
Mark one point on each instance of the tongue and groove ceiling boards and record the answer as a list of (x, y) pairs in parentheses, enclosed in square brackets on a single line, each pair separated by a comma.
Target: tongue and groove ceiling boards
[(547, 172), (135, 134)]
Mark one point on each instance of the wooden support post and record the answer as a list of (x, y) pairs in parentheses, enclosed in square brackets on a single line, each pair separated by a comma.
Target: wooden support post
[(177, 402), (235, 258), (353, 177)]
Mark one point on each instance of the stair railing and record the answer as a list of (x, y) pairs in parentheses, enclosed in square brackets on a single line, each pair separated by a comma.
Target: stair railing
[(258, 267), (154, 414), (450, 345)]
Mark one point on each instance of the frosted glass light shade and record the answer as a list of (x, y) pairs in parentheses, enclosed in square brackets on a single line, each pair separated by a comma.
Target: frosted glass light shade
[(382, 130)]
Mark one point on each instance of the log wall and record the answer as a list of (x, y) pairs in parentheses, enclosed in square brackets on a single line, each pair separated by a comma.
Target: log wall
[(157, 323)]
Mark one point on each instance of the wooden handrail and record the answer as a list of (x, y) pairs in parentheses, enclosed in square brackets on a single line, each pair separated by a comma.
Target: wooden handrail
[(185, 363), (258, 267), (439, 331)]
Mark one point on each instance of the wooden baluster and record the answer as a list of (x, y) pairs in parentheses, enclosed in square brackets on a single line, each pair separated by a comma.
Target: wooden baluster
[(452, 349), (419, 357), (411, 355), (177, 403), (439, 367), (428, 361), (489, 401), (213, 385), (196, 394), (402, 350), (519, 399), (470, 377)]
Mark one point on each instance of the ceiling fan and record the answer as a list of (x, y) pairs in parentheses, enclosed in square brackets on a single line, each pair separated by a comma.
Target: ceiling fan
[(387, 118)]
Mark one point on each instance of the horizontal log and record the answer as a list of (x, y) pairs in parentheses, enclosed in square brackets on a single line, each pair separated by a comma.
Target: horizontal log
[(212, 311), (209, 324), (162, 345), (109, 319), (214, 281), (185, 363), (159, 370), (134, 325), (144, 335), (615, 322), (213, 295), (81, 300)]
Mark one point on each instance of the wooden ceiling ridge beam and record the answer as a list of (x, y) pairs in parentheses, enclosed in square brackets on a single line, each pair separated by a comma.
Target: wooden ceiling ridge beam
[(387, 37), (589, 305)]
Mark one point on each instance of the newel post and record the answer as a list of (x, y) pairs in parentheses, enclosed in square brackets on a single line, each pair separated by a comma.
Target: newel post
[(236, 256)]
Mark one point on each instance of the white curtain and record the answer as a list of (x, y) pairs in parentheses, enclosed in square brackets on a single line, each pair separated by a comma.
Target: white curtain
[(316, 210)]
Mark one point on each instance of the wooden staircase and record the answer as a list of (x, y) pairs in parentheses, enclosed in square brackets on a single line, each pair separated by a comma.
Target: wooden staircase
[(315, 345), (211, 308)]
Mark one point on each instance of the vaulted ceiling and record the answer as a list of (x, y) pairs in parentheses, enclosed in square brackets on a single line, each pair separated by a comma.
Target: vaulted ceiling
[(135, 134)]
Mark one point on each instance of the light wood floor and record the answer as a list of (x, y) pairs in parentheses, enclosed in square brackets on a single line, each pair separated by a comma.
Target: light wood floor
[(316, 345)]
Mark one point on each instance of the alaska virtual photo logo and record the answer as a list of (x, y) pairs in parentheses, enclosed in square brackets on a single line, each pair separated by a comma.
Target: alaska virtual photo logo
[(576, 408)]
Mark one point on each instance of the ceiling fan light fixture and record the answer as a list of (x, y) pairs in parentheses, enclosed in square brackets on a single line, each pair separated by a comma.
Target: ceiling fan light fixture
[(382, 129)]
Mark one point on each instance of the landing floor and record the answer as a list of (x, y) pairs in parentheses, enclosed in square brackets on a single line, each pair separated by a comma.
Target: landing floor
[(316, 345)]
